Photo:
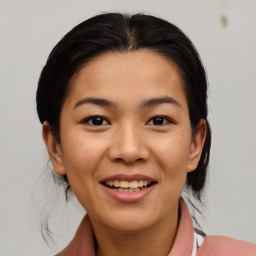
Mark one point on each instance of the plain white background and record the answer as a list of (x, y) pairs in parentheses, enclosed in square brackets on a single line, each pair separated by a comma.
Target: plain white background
[(28, 32)]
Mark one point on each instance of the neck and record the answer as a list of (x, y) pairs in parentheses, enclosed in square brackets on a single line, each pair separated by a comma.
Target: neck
[(156, 240)]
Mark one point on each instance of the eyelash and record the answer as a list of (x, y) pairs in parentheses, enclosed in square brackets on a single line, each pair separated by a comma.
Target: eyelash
[(90, 119), (166, 120)]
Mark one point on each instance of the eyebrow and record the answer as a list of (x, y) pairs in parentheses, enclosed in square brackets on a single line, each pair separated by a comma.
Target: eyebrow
[(96, 101), (107, 103), (160, 100)]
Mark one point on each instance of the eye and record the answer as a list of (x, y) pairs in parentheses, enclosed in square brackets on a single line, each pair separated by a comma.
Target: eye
[(159, 120), (96, 120)]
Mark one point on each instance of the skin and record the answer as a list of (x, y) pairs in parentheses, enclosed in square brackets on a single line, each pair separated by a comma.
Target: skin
[(127, 142)]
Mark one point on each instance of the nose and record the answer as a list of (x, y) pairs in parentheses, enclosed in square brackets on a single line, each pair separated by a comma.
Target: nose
[(129, 146)]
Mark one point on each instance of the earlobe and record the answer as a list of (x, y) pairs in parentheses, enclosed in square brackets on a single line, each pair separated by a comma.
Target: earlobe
[(197, 145), (53, 148)]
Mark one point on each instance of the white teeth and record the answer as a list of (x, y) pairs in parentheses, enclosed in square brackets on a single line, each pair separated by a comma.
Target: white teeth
[(116, 183), (128, 189), (141, 183), (133, 184), (123, 184), (145, 183)]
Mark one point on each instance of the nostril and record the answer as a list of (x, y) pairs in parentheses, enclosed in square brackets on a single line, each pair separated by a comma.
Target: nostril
[(121, 159)]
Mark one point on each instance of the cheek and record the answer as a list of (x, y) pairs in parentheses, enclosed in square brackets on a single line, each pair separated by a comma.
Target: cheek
[(81, 155), (173, 155)]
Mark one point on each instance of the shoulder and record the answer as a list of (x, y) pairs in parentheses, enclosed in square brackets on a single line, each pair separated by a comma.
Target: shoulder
[(225, 246)]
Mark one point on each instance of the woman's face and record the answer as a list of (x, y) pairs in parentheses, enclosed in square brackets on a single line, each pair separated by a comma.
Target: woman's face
[(126, 142)]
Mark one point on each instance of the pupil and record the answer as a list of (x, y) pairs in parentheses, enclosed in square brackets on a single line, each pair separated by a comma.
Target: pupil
[(158, 120), (97, 120)]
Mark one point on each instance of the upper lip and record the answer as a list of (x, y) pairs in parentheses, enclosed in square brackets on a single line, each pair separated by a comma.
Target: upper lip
[(128, 178)]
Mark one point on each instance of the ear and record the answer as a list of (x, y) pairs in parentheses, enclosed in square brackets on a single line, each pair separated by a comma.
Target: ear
[(197, 145), (54, 149)]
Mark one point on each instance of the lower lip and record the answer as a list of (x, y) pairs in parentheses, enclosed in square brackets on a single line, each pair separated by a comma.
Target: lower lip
[(129, 197)]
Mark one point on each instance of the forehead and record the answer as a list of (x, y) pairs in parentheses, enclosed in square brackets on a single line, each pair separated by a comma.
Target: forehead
[(129, 76)]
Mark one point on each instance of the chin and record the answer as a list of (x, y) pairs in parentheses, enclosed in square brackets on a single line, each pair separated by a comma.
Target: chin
[(129, 221)]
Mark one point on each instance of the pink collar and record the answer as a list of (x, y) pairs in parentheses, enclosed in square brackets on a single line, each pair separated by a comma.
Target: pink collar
[(183, 243)]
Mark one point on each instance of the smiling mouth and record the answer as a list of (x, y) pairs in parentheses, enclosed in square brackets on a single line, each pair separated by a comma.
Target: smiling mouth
[(128, 186)]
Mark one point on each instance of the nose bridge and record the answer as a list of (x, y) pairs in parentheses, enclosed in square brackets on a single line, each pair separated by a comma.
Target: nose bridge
[(128, 144)]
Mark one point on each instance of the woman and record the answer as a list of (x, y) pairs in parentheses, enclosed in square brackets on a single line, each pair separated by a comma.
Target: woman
[(123, 103)]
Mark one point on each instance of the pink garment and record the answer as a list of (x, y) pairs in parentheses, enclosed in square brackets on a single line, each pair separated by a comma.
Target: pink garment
[(212, 245), (225, 246), (183, 244)]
